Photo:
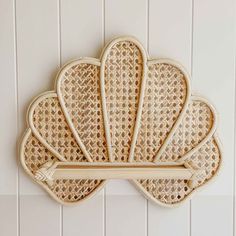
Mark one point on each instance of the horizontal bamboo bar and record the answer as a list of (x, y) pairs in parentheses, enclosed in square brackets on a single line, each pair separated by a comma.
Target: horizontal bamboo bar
[(119, 171)]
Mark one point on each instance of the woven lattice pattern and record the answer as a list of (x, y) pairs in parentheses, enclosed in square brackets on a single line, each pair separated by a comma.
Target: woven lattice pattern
[(80, 90), (164, 98), (66, 190), (123, 74), (74, 190), (208, 158), (49, 120), (170, 191), (196, 124), (36, 154), (123, 108)]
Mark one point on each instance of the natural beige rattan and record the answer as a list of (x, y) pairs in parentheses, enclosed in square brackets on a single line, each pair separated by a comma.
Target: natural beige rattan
[(123, 116)]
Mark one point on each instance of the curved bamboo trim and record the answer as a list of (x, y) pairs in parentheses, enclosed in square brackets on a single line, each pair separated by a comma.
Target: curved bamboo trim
[(131, 170), (58, 84), (139, 187), (75, 170)]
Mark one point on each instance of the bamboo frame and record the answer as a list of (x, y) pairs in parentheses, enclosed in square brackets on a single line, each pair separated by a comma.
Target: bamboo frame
[(75, 170), (62, 169)]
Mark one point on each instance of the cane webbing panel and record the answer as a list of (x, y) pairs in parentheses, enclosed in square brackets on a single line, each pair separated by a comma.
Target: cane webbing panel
[(121, 109)]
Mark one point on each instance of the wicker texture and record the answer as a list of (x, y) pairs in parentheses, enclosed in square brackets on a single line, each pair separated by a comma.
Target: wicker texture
[(122, 108), (170, 191), (196, 124), (74, 190), (123, 73), (80, 90), (164, 98), (36, 154), (66, 190), (50, 122)]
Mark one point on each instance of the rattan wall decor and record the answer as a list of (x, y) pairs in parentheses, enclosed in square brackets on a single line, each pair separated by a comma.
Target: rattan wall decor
[(123, 116)]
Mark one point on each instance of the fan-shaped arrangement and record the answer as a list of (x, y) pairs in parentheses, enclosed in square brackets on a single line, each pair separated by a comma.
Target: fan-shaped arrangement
[(123, 116)]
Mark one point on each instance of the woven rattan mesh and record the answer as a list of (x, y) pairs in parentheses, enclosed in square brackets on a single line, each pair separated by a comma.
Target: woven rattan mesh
[(170, 191), (70, 124), (73, 190), (81, 93), (196, 124), (66, 190), (163, 101), (36, 154), (49, 120), (123, 72)]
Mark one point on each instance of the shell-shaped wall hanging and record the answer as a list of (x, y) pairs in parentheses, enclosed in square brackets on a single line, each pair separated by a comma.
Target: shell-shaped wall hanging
[(124, 116)]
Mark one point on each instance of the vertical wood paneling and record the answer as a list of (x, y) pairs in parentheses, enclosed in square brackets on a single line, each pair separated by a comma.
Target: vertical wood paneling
[(8, 121), (213, 75), (39, 216), (168, 221), (126, 18), (212, 215), (81, 29), (125, 207), (170, 30), (125, 214), (37, 44), (49, 33), (82, 35), (170, 36), (86, 218), (8, 215)]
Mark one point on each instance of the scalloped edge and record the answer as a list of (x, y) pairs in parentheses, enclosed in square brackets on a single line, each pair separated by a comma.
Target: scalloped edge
[(33, 105), (59, 79), (211, 132), (147, 195), (45, 186), (101, 63)]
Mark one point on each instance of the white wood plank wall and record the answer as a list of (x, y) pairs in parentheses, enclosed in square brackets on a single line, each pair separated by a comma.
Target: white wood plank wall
[(37, 37)]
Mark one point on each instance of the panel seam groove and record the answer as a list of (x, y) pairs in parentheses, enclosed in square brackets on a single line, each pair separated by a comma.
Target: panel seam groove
[(104, 40), (234, 151), (148, 49), (191, 68), (17, 117), (60, 64)]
